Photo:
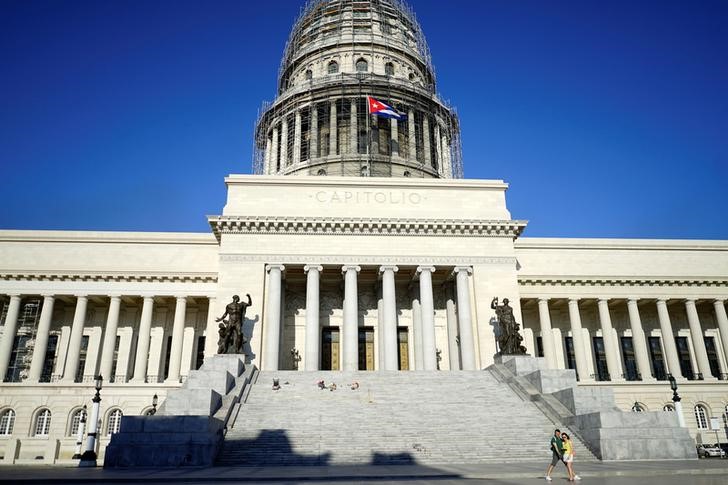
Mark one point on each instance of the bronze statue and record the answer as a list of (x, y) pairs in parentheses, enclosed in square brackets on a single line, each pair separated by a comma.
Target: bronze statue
[(509, 341), (231, 334)]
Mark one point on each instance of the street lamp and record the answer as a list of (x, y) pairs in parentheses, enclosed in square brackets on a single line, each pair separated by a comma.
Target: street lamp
[(676, 401), (79, 435), (154, 405), (88, 459)]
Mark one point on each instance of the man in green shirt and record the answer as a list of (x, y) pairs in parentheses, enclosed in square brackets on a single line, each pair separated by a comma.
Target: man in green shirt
[(557, 452)]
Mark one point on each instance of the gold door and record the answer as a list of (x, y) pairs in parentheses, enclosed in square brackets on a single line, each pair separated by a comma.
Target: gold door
[(330, 348), (366, 348), (403, 340)]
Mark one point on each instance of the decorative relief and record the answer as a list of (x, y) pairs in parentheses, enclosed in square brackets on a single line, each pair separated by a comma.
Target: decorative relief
[(116, 277), (366, 260), (364, 226), (523, 281)]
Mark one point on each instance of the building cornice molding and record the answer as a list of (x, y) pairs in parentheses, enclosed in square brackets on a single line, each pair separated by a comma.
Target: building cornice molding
[(109, 237), (364, 226), (368, 260), (620, 281), (120, 277), (531, 243)]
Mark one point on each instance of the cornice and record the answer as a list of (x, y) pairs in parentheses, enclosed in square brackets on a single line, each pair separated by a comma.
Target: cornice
[(111, 277), (364, 182), (109, 237), (364, 226), (531, 243), (368, 260), (620, 281)]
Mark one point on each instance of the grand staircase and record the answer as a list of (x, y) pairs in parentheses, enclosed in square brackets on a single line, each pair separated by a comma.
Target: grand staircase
[(392, 418)]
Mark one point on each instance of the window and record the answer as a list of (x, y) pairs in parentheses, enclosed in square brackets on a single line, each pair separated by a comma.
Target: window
[(43, 422), (539, 346), (569, 351), (167, 356), (333, 67), (49, 361), (712, 356), (82, 358), (200, 356), (7, 421), (411, 76), (683, 354), (638, 407), (389, 69), (630, 362), (16, 366), (407, 173), (362, 65), (600, 356), (701, 416), (321, 172), (113, 376), (114, 422), (309, 74), (658, 362), (78, 415), (364, 171), (670, 408)]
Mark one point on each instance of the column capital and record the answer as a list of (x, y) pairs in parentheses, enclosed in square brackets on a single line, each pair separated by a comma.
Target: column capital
[(662, 300), (180, 297), (632, 300), (316, 267), (12, 295), (466, 269), (114, 296), (387, 267), (81, 295), (603, 301), (427, 267), (573, 300), (350, 267), (543, 300), (689, 301), (269, 267), (48, 296), (147, 296)]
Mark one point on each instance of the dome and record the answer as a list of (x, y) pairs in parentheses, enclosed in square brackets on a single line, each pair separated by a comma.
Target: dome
[(339, 55)]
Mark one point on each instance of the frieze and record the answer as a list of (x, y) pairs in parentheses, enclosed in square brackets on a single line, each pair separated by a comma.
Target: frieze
[(116, 277), (530, 281), (369, 260), (364, 226)]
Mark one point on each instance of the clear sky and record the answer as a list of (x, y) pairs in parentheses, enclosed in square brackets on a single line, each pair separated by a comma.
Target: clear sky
[(608, 118)]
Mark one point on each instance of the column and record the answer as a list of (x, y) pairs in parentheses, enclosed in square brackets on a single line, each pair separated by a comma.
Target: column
[(547, 336), (467, 345), (142, 352), (429, 349), (426, 143), (41, 339), (417, 331), (333, 128), (297, 138), (8, 337), (74, 343), (668, 339), (274, 154), (350, 330), (411, 137), (109, 346), (266, 156), (696, 332), (582, 367), (394, 132), (284, 143), (438, 147), (389, 315), (446, 164), (178, 333), (610, 345), (313, 337), (273, 320), (211, 330), (453, 348), (638, 341), (720, 316), (353, 128), (313, 143)]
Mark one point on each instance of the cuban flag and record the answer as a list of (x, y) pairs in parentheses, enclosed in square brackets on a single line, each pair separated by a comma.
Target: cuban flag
[(384, 110)]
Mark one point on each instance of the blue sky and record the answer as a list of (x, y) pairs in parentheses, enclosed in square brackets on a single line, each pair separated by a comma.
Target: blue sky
[(608, 119)]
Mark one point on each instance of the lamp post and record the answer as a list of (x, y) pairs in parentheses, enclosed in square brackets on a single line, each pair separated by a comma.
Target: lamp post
[(676, 401), (154, 405), (88, 459), (79, 435)]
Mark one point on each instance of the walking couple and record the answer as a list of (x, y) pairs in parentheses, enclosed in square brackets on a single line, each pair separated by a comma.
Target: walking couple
[(562, 449)]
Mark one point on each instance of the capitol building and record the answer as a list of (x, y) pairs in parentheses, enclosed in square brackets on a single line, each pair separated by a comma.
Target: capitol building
[(362, 248)]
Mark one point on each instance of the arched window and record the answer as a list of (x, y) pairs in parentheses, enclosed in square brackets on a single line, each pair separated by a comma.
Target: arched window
[(364, 171), (333, 67), (114, 422), (407, 173), (7, 421), (411, 76), (362, 65), (321, 172), (389, 69), (638, 407), (701, 416), (42, 422), (309, 74), (669, 408), (76, 418)]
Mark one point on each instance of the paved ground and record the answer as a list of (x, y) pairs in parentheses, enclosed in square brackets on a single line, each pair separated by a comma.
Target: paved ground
[(700, 472)]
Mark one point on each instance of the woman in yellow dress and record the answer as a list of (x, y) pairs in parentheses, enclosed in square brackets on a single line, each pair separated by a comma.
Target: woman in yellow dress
[(568, 448)]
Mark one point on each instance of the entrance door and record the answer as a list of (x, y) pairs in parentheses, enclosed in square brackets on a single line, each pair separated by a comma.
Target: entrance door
[(330, 348), (403, 348), (366, 348)]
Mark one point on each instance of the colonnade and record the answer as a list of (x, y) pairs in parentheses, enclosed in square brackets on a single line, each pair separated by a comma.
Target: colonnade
[(278, 137), (108, 346), (582, 352), (459, 323)]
